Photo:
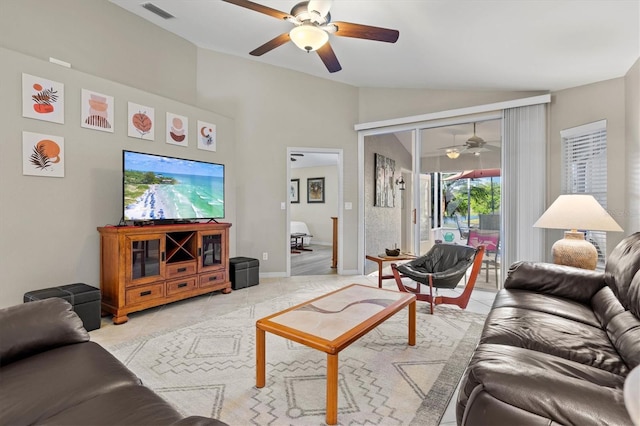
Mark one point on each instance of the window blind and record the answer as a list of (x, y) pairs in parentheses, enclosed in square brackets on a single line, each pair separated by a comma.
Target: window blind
[(584, 171)]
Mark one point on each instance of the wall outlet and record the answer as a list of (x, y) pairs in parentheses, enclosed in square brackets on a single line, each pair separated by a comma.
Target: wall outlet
[(265, 256)]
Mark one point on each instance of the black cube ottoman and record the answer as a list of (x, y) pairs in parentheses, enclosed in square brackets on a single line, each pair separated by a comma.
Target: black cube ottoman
[(244, 272), (84, 299)]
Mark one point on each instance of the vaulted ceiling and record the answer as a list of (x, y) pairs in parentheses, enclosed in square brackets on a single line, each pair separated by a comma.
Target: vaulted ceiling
[(443, 44)]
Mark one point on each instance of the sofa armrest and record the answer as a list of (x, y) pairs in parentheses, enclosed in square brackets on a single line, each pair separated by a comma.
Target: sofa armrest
[(36, 327), (558, 280)]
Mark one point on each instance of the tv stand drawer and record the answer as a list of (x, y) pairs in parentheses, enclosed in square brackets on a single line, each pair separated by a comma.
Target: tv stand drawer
[(181, 269), (212, 279), (144, 293), (180, 286)]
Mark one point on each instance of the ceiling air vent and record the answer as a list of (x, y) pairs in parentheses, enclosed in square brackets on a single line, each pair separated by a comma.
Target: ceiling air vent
[(155, 9)]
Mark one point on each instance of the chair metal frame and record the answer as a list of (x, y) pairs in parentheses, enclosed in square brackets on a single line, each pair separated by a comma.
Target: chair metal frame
[(490, 239), (462, 301)]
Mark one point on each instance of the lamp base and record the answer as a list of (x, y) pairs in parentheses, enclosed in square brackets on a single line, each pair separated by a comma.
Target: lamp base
[(574, 250)]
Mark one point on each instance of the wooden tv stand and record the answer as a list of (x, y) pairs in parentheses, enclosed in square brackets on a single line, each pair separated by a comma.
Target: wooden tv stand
[(146, 266)]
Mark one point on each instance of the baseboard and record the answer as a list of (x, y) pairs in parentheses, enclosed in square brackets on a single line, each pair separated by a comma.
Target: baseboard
[(283, 274), (272, 274)]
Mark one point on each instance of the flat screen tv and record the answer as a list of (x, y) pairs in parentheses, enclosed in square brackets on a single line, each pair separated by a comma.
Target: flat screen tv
[(159, 188)]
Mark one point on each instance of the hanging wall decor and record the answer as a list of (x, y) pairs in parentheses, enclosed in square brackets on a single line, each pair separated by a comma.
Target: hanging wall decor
[(42, 99), (42, 155), (315, 190), (294, 191), (96, 111), (177, 129), (141, 122), (385, 171), (206, 136)]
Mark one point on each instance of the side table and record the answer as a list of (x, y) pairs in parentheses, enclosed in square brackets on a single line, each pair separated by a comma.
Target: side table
[(381, 258)]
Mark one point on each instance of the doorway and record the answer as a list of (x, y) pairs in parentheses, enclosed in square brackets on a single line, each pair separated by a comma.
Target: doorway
[(315, 197)]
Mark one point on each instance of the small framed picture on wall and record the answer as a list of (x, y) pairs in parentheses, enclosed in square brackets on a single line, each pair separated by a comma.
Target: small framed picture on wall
[(294, 191), (315, 190)]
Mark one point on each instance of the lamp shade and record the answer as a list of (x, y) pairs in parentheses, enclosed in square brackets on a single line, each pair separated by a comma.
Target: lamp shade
[(577, 211), (308, 37)]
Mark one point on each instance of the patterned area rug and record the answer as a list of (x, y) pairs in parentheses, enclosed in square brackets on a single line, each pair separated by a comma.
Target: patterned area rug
[(208, 368)]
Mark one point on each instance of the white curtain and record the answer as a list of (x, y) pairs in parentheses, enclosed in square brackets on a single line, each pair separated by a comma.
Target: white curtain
[(523, 183)]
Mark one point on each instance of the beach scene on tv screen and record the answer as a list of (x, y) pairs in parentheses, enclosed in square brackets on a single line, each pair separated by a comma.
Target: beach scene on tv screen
[(157, 188)]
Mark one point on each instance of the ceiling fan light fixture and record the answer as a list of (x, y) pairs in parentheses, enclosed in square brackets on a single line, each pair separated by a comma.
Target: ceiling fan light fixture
[(308, 37), (453, 153), (476, 140)]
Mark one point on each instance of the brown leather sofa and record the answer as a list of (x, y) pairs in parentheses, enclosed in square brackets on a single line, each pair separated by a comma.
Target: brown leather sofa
[(50, 373), (557, 346)]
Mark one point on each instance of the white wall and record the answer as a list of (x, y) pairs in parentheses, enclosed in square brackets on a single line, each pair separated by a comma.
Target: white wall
[(102, 39), (581, 105), (48, 225), (317, 216), (272, 113), (632, 129), (383, 225)]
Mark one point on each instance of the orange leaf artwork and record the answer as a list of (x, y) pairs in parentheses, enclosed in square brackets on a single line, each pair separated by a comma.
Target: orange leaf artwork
[(142, 123), (42, 99), (43, 155)]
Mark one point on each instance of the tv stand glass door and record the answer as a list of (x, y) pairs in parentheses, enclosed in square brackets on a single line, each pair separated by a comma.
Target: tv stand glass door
[(146, 258)]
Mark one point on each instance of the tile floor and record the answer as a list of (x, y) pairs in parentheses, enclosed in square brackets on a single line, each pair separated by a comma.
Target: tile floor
[(173, 315)]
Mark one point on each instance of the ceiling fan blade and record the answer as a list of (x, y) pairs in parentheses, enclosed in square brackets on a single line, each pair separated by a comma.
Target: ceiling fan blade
[(329, 58), (270, 45), (347, 29), (260, 8)]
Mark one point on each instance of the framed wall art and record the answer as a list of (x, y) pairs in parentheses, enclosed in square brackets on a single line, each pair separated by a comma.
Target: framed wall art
[(385, 171), (177, 129), (206, 136), (141, 122), (294, 191), (315, 190), (42, 99), (42, 155), (97, 111)]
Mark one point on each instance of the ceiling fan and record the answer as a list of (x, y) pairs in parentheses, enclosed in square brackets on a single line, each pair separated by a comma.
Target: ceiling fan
[(312, 28), (474, 145)]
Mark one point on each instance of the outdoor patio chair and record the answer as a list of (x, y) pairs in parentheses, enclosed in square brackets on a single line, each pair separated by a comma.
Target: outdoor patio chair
[(442, 267), (490, 239)]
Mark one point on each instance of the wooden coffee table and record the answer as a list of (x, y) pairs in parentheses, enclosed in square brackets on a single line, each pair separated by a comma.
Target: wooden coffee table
[(380, 259), (332, 322)]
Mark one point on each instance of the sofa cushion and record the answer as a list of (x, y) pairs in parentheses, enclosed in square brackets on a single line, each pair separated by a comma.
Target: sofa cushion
[(48, 383), (561, 390), (624, 332), (38, 326), (554, 335), (606, 306), (559, 306), (126, 405), (621, 272)]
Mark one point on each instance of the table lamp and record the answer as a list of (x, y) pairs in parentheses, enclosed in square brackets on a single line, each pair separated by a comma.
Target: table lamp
[(576, 211)]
